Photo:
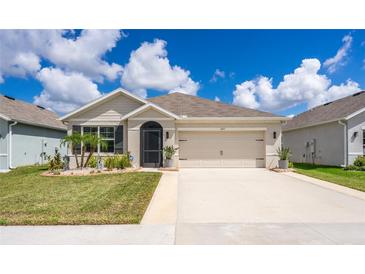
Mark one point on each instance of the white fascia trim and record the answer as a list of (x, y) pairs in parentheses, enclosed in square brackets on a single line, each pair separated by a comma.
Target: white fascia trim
[(146, 107), (151, 118), (222, 129), (6, 118), (235, 118), (354, 114), (313, 124), (102, 98)]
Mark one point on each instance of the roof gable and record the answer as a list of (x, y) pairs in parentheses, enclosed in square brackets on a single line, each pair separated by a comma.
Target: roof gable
[(102, 100)]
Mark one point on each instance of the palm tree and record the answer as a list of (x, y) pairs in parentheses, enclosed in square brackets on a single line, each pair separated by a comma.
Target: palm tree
[(74, 139), (93, 141)]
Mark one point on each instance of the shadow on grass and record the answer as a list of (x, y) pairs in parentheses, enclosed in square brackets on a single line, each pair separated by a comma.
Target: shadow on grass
[(307, 166)]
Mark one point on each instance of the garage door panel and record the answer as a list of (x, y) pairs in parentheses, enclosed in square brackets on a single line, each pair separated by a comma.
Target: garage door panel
[(221, 149)]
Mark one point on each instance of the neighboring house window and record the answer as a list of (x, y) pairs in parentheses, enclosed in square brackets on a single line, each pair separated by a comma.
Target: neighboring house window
[(92, 131), (107, 134), (363, 142)]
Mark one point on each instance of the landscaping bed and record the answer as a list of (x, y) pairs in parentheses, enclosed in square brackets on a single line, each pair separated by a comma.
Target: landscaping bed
[(349, 178), (26, 198)]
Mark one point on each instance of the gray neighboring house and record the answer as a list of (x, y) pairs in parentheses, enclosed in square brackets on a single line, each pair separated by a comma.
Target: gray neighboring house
[(330, 134), (27, 133)]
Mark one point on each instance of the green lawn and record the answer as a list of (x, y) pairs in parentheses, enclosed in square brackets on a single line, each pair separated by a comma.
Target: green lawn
[(348, 178), (28, 198)]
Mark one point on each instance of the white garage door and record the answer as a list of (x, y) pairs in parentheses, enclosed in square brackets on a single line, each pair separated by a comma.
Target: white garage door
[(222, 149)]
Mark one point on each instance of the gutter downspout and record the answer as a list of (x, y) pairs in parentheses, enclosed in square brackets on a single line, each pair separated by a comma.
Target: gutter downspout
[(345, 142), (11, 143)]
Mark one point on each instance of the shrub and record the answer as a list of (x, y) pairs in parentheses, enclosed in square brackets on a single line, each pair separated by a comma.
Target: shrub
[(290, 164), (118, 161), (92, 162), (359, 161), (55, 163), (109, 162), (356, 168)]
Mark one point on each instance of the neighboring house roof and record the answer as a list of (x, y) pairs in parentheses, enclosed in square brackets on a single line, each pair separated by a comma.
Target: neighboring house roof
[(193, 106), (341, 109), (15, 110)]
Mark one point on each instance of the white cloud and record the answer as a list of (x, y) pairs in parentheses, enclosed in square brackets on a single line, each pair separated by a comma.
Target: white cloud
[(22, 50), (290, 115), (217, 99), (149, 68), (63, 92), (216, 75), (339, 59), (304, 85)]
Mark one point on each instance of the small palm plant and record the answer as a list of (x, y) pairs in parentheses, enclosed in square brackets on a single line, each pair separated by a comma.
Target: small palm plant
[(73, 140), (283, 153), (91, 140), (169, 152)]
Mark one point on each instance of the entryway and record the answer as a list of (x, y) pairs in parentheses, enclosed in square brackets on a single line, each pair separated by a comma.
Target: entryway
[(151, 144)]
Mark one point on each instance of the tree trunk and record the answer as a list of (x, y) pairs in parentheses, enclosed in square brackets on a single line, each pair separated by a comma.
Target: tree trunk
[(76, 159), (82, 156), (89, 156)]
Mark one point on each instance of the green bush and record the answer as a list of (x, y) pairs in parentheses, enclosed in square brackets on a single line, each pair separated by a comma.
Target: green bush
[(290, 164), (92, 162), (359, 161), (55, 163), (109, 162), (356, 168), (118, 161)]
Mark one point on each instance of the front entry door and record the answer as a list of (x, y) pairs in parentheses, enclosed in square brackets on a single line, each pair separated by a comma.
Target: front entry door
[(151, 147)]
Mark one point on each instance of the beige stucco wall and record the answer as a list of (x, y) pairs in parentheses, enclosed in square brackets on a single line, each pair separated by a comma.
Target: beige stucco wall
[(329, 144)]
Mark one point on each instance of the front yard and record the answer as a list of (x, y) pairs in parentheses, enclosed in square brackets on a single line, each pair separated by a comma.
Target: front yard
[(348, 178), (28, 198)]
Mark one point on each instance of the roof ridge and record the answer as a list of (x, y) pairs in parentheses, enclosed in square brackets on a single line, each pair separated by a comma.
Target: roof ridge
[(212, 101)]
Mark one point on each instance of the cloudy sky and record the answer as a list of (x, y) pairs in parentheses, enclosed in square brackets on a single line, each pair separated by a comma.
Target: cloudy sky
[(285, 72)]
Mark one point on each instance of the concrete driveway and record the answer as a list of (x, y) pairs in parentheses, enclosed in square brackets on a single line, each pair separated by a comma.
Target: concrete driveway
[(257, 206)]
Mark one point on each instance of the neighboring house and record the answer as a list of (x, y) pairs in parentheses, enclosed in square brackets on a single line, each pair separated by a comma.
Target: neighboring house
[(330, 134), (207, 133), (28, 133)]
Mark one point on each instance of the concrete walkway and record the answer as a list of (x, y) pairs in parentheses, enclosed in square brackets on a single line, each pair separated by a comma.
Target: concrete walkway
[(162, 208)]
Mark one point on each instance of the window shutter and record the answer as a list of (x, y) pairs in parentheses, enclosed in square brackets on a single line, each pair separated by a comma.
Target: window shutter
[(119, 139), (77, 147)]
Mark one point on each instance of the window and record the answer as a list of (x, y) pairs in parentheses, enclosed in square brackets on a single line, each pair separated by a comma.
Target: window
[(92, 131), (77, 147), (363, 141), (107, 134)]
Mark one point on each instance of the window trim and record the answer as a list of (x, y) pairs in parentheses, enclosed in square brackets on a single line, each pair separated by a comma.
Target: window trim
[(99, 152)]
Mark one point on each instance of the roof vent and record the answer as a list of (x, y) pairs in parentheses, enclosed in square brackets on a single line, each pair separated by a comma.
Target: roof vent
[(326, 104), (9, 97), (38, 106), (357, 93)]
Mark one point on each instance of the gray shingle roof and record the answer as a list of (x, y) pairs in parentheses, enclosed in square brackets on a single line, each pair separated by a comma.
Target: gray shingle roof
[(335, 110), (193, 106), (29, 114)]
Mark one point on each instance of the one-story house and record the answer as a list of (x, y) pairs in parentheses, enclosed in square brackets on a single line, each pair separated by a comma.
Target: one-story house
[(206, 133), (28, 133), (330, 134)]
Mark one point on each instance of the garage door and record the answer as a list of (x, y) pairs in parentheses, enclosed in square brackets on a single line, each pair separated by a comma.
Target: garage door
[(221, 149)]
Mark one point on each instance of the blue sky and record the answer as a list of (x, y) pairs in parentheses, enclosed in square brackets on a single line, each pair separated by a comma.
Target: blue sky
[(256, 60)]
